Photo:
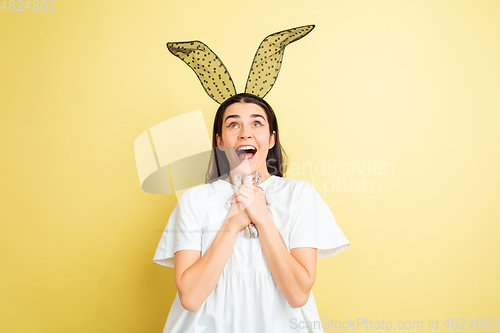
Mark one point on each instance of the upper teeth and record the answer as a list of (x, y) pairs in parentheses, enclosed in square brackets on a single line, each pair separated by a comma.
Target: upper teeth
[(246, 147)]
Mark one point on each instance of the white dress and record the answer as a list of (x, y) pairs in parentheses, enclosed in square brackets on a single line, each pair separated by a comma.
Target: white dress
[(246, 298)]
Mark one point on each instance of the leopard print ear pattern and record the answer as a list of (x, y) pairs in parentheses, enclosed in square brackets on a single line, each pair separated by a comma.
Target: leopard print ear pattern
[(240, 179), (212, 73), (268, 58)]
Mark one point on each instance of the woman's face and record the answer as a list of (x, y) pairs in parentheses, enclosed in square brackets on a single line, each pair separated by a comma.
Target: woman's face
[(244, 125)]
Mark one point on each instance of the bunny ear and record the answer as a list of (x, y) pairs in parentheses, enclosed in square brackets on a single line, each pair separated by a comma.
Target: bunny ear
[(212, 73), (267, 61)]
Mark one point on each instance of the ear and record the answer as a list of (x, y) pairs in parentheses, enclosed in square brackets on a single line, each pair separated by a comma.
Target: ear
[(267, 61), (220, 144), (272, 140), (212, 73)]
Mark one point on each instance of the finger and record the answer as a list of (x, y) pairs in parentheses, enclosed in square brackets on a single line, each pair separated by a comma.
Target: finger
[(244, 202), (245, 184), (247, 194), (236, 208), (252, 186), (241, 199), (246, 188), (237, 204), (249, 184)]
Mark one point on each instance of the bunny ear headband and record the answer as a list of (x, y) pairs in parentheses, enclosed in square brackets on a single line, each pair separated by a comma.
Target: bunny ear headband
[(153, 148), (215, 77)]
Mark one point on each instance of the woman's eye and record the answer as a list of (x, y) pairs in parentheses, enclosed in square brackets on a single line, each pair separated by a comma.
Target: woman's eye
[(235, 125)]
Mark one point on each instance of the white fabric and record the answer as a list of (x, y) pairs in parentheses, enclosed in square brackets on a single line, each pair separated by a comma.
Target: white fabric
[(246, 298)]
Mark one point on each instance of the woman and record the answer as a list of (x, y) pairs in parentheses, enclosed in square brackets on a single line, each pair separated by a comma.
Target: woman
[(226, 282)]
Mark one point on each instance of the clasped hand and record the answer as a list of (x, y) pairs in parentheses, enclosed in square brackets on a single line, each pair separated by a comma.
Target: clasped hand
[(251, 200)]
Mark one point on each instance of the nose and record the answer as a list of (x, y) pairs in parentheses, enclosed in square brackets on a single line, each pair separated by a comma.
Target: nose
[(245, 133)]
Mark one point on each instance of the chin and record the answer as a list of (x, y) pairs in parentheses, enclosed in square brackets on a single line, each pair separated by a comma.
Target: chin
[(243, 170)]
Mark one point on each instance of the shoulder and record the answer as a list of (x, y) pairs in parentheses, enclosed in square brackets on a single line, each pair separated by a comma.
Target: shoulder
[(296, 186), (293, 191), (197, 194), (199, 190)]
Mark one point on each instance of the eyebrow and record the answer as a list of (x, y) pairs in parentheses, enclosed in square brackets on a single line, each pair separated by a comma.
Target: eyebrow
[(254, 115)]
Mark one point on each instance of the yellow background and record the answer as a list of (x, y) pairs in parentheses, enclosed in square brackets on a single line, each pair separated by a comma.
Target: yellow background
[(412, 83)]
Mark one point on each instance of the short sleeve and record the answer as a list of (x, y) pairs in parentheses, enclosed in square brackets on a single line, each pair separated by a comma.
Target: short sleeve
[(315, 226), (181, 233)]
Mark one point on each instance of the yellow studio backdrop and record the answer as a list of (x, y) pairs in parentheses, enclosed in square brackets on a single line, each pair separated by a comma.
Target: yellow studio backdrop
[(389, 108)]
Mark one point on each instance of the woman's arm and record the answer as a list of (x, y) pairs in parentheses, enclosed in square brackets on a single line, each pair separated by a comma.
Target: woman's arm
[(294, 272), (196, 276)]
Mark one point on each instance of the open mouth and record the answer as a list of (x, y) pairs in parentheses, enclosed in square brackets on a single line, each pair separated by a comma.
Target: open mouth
[(246, 152)]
